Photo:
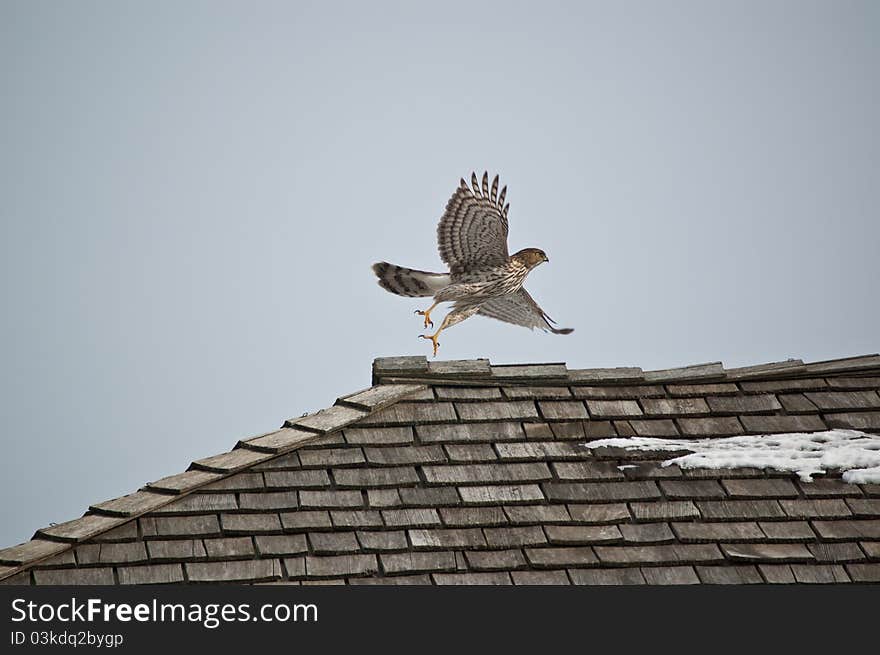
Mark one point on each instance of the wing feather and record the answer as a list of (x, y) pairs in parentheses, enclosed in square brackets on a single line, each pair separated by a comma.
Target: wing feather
[(520, 309), (472, 234)]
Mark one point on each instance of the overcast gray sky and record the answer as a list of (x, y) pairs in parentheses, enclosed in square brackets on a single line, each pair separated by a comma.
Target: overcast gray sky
[(192, 194)]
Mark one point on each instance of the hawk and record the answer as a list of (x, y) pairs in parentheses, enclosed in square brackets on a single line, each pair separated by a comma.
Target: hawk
[(482, 279)]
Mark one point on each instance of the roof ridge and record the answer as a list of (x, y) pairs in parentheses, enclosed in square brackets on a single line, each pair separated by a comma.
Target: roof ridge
[(417, 369), (296, 432)]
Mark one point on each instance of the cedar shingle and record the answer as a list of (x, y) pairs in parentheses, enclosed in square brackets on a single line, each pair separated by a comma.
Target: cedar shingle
[(541, 450), (619, 392), (727, 531), (497, 411), (495, 560), (583, 534), (771, 424), (417, 562), (828, 487), (822, 573), (724, 426), (446, 538), (771, 552), (796, 403), (356, 518), (378, 436), (325, 457), (250, 523), (537, 513), (692, 489), (601, 491), (562, 409), (199, 503), (499, 494), (718, 389), (470, 432), (151, 574), (330, 498), (599, 513), (864, 572), (664, 510), (327, 420), (408, 413), (613, 408), (671, 575), (518, 536), (472, 516), (305, 520), (654, 427), (658, 554), (848, 529), (473, 473), (331, 542), (284, 544), (777, 573), (499, 578), (341, 565), (111, 553), (675, 406), (761, 488), (842, 400), (741, 574), (245, 570), (560, 557), (405, 455), (854, 421), (787, 530), (805, 509), (225, 547), (435, 496), (836, 552), (740, 509), (862, 506), (300, 479), (743, 404), (205, 524), (646, 533), (178, 549), (385, 540), (90, 576), (478, 452), (282, 500), (469, 393), (375, 477), (539, 578), (411, 517), (587, 471), (625, 576), (535, 393)]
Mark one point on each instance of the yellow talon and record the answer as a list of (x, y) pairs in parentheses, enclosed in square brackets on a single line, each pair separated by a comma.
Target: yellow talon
[(433, 338), (427, 315)]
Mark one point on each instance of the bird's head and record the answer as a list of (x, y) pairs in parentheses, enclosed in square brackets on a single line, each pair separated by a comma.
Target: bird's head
[(532, 257)]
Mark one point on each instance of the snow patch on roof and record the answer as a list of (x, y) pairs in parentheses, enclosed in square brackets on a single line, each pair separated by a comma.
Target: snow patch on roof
[(855, 453)]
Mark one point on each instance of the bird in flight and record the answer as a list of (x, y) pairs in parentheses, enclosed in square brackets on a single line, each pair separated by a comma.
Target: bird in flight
[(482, 279)]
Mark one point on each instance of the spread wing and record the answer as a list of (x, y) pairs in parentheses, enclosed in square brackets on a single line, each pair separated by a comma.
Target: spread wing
[(520, 309), (472, 233)]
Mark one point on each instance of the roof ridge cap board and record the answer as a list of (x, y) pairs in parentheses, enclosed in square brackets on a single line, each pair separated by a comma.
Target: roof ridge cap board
[(417, 369), (53, 540)]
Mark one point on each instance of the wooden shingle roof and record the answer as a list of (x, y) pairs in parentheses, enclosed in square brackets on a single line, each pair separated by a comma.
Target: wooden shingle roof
[(464, 472)]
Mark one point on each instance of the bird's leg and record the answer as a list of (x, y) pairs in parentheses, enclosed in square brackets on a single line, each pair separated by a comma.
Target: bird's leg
[(427, 315), (433, 338), (457, 315)]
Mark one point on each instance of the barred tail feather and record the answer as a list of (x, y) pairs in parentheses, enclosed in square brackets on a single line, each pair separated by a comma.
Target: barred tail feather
[(409, 282)]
